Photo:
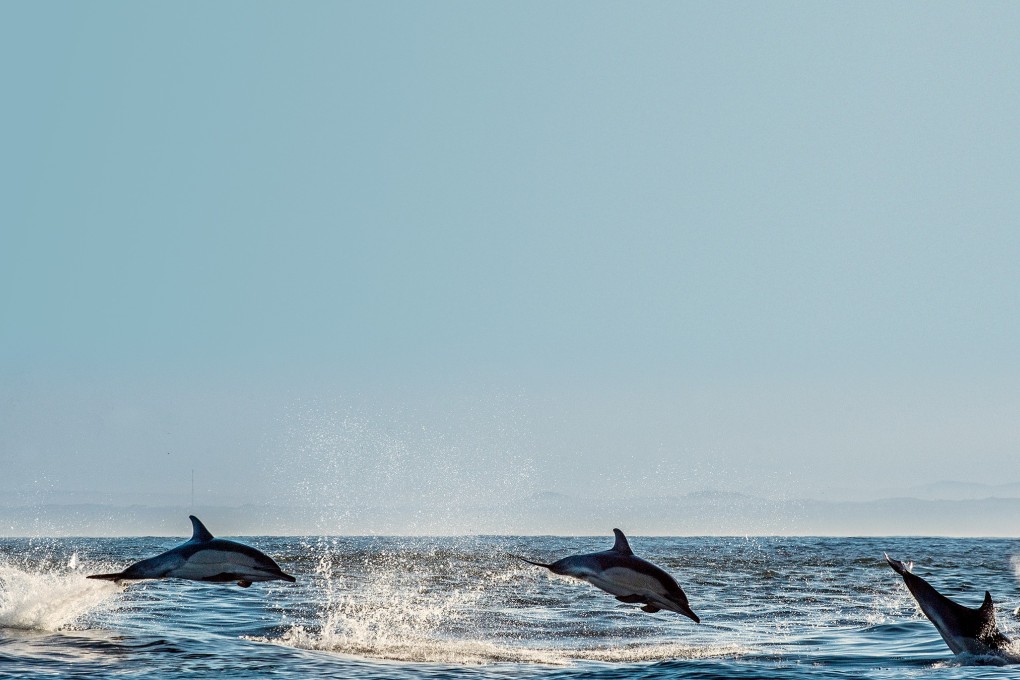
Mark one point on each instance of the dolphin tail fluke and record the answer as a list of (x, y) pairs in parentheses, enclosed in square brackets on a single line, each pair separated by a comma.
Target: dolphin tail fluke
[(108, 577), (899, 567)]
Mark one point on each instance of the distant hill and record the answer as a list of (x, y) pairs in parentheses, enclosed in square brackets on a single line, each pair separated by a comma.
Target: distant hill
[(959, 491), (935, 491), (700, 513)]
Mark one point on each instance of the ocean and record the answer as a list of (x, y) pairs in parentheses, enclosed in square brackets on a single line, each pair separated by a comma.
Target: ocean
[(460, 607)]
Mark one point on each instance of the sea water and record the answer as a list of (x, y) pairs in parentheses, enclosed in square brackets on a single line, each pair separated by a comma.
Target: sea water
[(392, 607)]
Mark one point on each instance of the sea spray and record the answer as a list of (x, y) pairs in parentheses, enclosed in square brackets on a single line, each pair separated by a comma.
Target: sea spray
[(50, 598), (397, 614), (445, 605), (406, 470)]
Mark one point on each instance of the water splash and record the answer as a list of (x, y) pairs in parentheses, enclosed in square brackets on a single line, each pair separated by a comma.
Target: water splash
[(50, 598), (441, 607), (395, 615), (405, 470)]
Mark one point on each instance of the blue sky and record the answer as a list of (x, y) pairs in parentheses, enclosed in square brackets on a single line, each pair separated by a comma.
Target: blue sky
[(770, 244)]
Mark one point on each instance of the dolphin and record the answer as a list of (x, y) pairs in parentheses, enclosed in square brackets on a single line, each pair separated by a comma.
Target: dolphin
[(965, 630), (205, 558), (619, 572)]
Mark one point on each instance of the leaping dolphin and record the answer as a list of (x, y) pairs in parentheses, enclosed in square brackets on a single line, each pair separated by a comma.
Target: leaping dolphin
[(620, 572), (205, 558), (965, 630)]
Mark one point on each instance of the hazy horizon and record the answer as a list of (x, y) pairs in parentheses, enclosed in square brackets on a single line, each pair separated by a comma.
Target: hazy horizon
[(435, 257)]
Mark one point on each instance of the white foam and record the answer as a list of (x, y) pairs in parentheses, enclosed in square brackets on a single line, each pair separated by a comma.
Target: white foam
[(477, 652), (417, 650), (49, 600), (662, 652)]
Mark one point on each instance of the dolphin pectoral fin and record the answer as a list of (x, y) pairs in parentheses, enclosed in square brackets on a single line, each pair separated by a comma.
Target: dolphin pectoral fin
[(630, 599), (244, 584), (650, 608)]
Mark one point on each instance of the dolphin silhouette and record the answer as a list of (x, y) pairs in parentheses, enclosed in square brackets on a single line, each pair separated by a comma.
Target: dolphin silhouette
[(965, 630), (620, 572), (205, 558)]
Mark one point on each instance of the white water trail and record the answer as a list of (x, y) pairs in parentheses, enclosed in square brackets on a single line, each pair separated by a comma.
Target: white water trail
[(51, 599)]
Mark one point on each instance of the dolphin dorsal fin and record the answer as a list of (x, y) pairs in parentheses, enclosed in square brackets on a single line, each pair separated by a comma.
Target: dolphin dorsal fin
[(200, 534), (987, 609), (621, 544), (986, 615)]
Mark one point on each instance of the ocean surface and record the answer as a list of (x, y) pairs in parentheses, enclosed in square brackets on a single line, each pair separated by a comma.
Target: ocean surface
[(390, 607)]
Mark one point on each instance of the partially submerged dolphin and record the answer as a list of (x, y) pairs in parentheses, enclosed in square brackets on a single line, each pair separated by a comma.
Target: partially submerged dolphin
[(619, 572), (205, 558), (965, 630)]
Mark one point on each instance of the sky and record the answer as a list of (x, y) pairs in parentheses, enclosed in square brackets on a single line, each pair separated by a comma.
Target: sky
[(429, 252)]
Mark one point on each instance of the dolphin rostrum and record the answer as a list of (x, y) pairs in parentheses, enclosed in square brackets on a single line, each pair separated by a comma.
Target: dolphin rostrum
[(205, 558), (619, 572), (965, 630)]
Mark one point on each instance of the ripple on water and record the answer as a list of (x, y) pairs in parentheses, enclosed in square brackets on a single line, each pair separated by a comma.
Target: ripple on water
[(391, 607)]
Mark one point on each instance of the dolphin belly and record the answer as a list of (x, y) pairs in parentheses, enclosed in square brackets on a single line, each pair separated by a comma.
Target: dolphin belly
[(208, 564), (629, 585), (623, 581), (956, 643)]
